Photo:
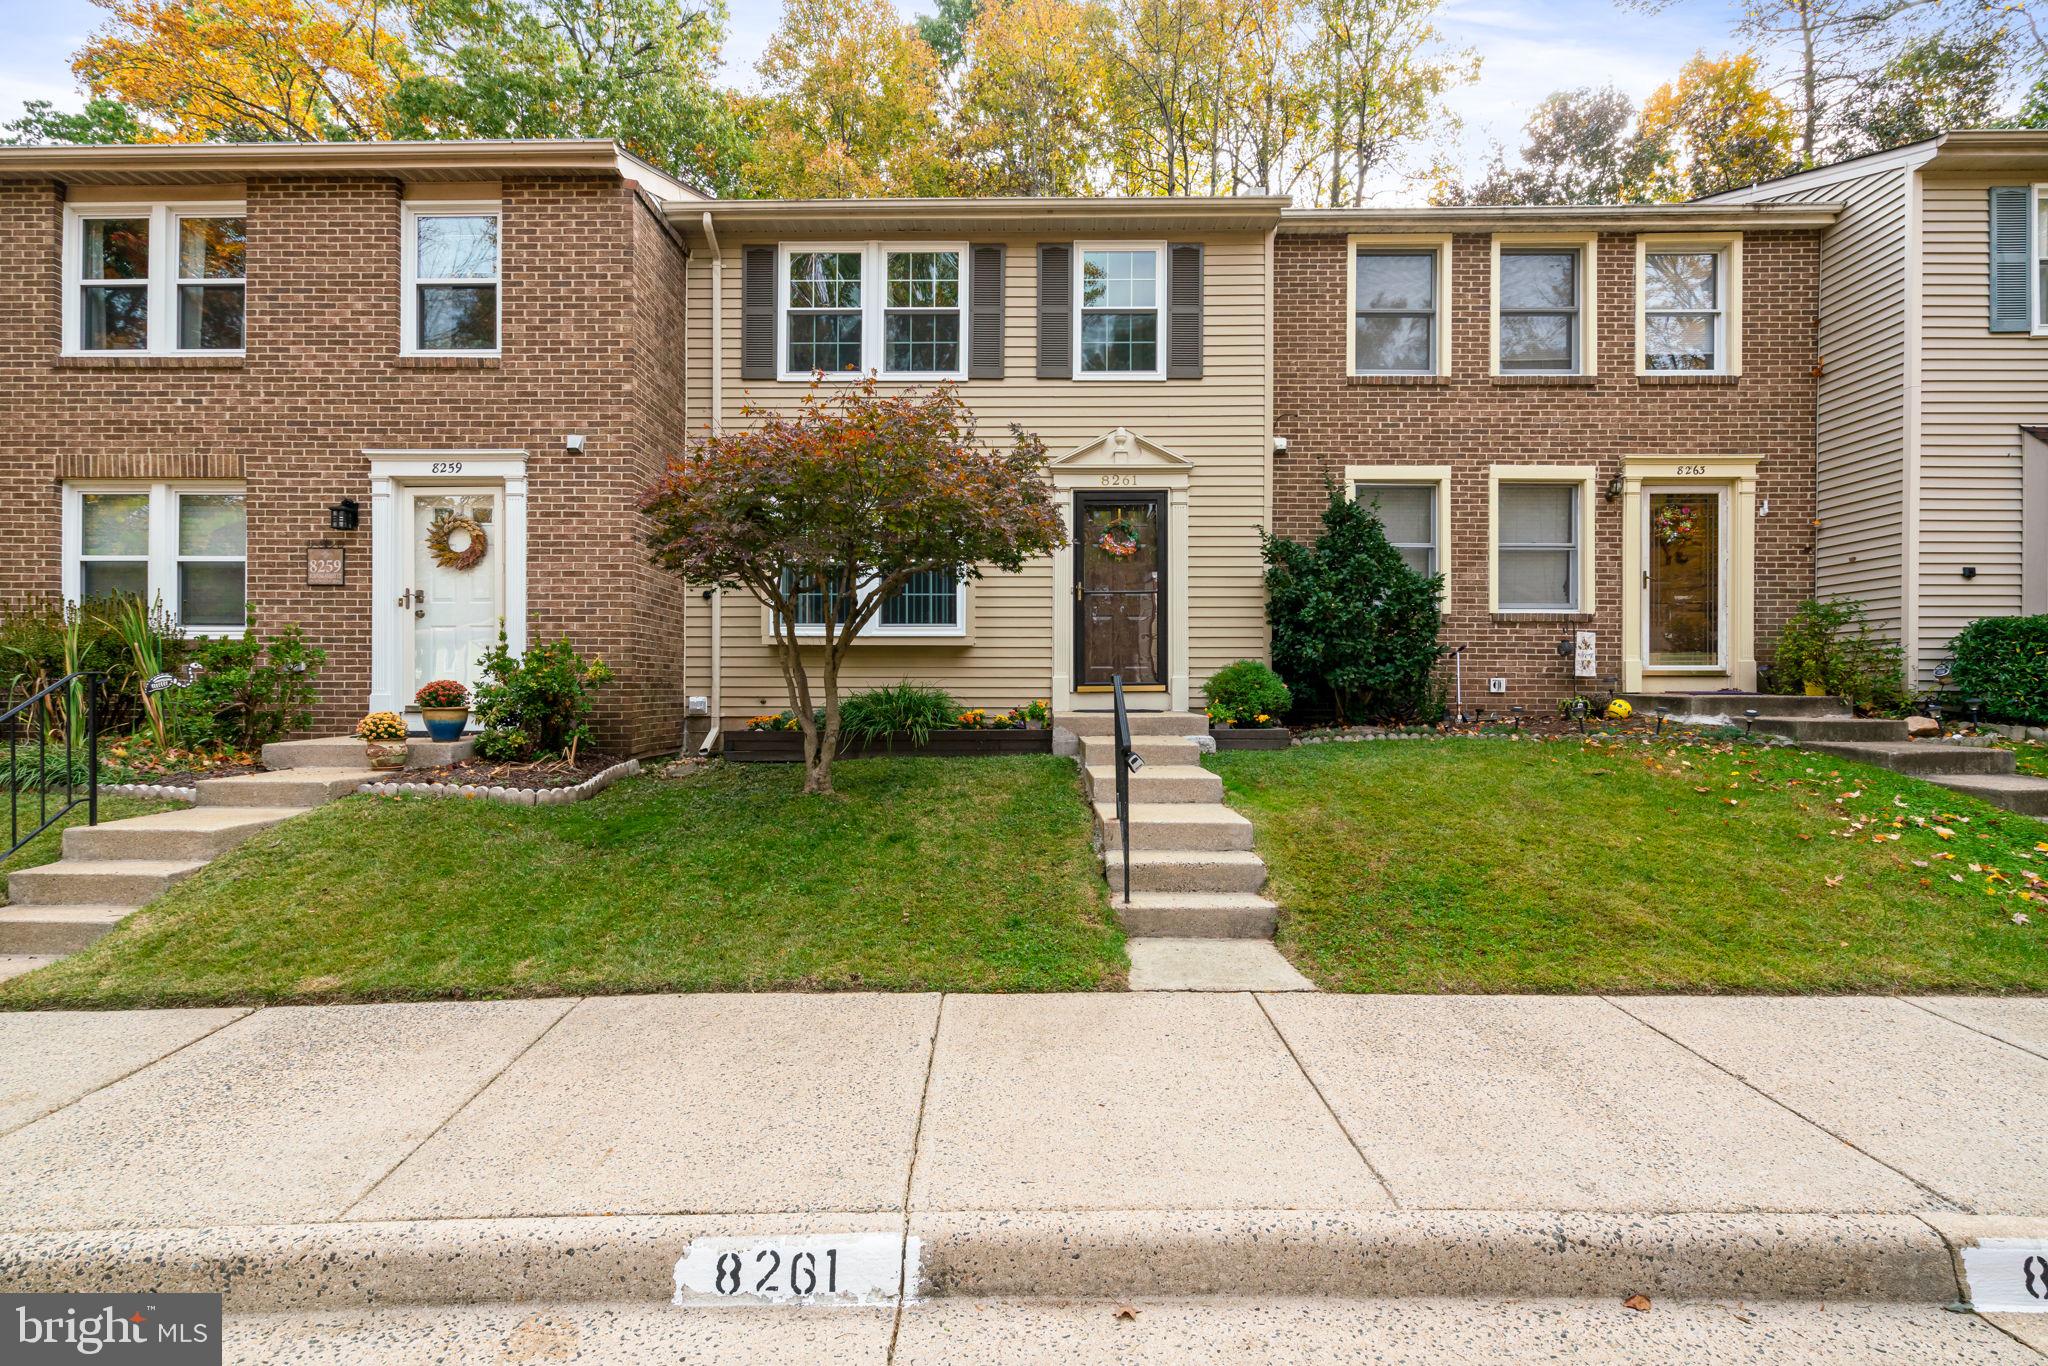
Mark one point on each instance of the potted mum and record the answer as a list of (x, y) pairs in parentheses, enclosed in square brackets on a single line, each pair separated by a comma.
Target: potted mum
[(383, 734), (444, 706)]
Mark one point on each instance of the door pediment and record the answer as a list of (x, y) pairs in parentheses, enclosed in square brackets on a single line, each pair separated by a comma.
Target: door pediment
[(1121, 451)]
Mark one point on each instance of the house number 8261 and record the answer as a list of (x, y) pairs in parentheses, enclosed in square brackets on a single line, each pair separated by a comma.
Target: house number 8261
[(447, 467), (1121, 480)]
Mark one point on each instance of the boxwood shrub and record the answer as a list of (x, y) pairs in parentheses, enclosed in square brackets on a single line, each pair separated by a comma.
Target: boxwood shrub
[(2004, 660)]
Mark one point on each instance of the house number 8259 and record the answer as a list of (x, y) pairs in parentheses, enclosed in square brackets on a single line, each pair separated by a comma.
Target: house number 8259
[(447, 467)]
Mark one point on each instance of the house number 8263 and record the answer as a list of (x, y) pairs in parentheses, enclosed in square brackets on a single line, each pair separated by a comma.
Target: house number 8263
[(447, 467)]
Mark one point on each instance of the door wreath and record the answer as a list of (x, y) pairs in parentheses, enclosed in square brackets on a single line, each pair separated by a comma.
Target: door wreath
[(1119, 538), (446, 555)]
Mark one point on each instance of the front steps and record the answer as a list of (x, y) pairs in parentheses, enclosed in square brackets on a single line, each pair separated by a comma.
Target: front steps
[(302, 788), (200, 832)]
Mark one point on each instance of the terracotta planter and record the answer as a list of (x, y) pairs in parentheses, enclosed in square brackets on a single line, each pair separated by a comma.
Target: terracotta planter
[(444, 723)]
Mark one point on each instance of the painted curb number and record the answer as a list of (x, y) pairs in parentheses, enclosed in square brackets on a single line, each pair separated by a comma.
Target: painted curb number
[(800, 1269), (2008, 1275)]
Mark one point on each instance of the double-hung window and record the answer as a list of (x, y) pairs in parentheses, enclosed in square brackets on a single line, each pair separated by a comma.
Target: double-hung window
[(185, 546), (1683, 311), (1394, 310), (1407, 514), (1539, 310), (154, 279), (451, 303), (1538, 530), (931, 603), (1119, 289), (848, 309)]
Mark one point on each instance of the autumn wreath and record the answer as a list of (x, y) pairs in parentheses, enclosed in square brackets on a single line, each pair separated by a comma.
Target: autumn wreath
[(446, 555)]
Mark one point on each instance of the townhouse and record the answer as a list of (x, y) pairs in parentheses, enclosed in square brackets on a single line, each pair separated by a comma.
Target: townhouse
[(400, 392), (1932, 467)]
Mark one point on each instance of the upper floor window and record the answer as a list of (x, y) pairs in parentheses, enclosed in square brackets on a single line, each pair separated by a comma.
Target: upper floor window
[(838, 298), (1539, 311), (154, 279), (1117, 319), (1682, 310), (1394, 311), (182, 545), (451, 304)]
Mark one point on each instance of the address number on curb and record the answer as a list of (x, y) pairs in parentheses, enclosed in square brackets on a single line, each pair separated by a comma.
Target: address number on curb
[(799, 1269), (2008, 1275)]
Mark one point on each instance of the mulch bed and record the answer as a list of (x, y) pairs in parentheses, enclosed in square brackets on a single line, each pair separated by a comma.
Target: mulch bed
[(182, 777), (538, 776)]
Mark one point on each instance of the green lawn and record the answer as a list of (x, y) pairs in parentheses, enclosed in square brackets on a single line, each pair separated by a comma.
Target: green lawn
[(925, 874), (2031, 756), (1493, 865), (48, 846)]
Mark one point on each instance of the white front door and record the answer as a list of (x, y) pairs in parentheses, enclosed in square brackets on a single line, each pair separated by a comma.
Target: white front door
[(455, 594)]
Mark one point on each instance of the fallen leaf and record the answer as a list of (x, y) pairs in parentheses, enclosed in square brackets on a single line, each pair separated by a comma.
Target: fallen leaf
[(1639, 1303), (1836, 880), (1125, 1311)]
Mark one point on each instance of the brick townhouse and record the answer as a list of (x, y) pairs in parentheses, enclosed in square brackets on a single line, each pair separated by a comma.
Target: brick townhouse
[(397, 393)]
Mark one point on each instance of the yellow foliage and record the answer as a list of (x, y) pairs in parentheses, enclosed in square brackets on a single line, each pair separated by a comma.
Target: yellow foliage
[(1714, 128)]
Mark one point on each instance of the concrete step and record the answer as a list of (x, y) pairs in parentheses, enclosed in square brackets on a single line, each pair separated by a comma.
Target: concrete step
[(290, 787), (1212, 965), (1103, 722), (56, 929), (1153, 783), (1733, 704), (338, 751), (1175, 825), (1187, 870), (198, 832), (1099, 751), (15, 964), (114, 882), (1197, 915), (2013, 791), (1922, 758), (1807, 729)]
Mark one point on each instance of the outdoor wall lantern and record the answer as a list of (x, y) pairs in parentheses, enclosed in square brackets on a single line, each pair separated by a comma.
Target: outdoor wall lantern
[(344, 515), (1614, 488)]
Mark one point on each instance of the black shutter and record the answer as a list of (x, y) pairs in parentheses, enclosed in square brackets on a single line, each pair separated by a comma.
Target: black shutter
[(1055, 310), (985, 300), (1184, 311), (2011, 258), (757, 314)]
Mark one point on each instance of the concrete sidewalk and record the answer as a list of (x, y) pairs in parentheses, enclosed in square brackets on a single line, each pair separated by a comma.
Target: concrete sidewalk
[(1093, 1147)]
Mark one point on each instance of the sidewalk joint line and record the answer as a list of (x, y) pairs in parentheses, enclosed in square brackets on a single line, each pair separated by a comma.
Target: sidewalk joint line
[(1258, 999), (1955, 1257), (247, 1011), (2027, 1049), (1956, 1205), (456, 1113), (903, 1287)]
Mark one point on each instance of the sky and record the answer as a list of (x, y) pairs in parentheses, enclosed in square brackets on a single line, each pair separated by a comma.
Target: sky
[(1526, 49)]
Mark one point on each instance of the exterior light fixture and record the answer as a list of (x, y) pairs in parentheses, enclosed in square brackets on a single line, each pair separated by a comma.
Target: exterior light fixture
[(345, 515), (1614, 488)]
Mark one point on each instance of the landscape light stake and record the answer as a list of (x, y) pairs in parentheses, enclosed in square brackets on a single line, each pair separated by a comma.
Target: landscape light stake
[(1518, 719), (1749, 722)]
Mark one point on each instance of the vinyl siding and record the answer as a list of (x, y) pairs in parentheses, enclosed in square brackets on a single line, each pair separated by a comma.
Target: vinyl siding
[(1977, 387), (1219, 422)]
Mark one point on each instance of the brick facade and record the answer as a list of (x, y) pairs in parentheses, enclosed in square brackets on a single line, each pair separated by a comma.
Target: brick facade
[(592, 343), (1471, 421)]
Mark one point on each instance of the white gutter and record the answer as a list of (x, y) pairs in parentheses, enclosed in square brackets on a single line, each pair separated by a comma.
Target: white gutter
[(717, 425)]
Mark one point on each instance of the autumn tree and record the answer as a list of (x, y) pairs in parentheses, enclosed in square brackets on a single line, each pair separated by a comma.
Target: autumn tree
[(1380, 74), (1154, 73), (101, 121), (945, 33), (1030, 97), (841, 503), (1936, 82), (1828, 49), (852, 106), (1580, 147), (1712, 129), (249, 70)]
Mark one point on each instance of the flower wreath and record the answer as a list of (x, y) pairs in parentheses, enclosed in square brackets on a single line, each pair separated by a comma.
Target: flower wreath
[(1674, 523), (446, 555), (1119, 538)]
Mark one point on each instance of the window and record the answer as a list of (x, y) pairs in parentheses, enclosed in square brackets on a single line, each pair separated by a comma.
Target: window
[(932, 603), (1682, 310), (1118, 316), (838, 297), (1407, 513), (1537, 526), (1394, 312), (154, 279), (182, 545), (1539, 311), (451, 303)]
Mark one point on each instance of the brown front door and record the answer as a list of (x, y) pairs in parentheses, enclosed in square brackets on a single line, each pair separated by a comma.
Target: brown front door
[(1120, 589)]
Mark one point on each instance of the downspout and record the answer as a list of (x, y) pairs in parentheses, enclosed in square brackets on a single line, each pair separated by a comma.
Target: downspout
[(717, 595)]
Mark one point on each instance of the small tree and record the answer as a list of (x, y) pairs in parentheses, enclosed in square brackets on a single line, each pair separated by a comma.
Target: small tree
[(843, 502), (1351, 621)]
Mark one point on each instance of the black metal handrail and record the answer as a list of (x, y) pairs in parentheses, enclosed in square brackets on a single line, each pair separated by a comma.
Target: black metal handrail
[(79, 683), (1127, 763)]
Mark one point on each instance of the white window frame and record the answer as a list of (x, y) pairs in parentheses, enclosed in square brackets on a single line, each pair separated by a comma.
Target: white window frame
[(2037, 252), (1585, 528), (162, 557), (1162, 288), (1436, 477), (1728, 337), (875, 630), (1440, 333), (874, 310), (1587, 342), (410, 214), (161, 283)]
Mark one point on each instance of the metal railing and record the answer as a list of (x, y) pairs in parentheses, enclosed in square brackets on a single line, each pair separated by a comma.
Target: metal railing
[(1127, 763), (36, 711)]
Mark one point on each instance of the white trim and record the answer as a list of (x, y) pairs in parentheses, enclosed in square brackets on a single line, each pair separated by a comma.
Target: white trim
[(410, 214), (160, 559), (874, 309), (1587, 342), (160, 285), (1438, 476), (1913, 364), (1585, 528), (2037, 252), (1161, 286), (1738, 475), (392, 471), (876, 632), (1728, 301), (1439, 247)]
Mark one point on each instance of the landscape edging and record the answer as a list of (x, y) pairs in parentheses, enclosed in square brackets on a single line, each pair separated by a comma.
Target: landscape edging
[(514, 796), (157, 790)]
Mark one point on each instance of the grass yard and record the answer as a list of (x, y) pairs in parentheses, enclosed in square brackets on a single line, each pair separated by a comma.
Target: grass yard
[(2031, 756), (1612, 864), (925, 874), (48, 846)]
